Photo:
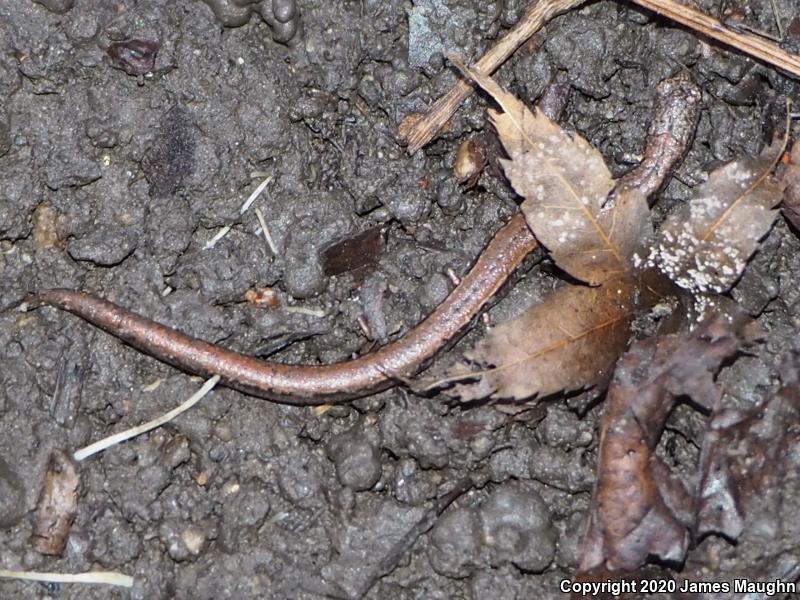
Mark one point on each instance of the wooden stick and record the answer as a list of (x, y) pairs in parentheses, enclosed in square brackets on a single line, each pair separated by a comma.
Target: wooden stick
[(418, 130), (746, 42)]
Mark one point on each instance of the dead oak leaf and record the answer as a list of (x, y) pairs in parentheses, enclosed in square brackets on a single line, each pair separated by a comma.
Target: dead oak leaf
[(705, 245), (566, 186), (568, 342)]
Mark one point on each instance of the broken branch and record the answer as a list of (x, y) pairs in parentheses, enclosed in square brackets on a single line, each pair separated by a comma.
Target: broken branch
[(418, 131), (748, 43)]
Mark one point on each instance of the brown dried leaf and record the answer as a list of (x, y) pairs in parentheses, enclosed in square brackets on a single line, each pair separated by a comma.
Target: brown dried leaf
[(638, 508), (566, 184), (568, 342), (705, 245), (749, 493), (360, 251), (750, 466)]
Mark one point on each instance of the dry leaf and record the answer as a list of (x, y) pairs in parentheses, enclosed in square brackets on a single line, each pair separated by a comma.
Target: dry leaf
[(750, 491), (750, 465), (361, 251), (566, 183), (568, 342), (571, 340), (638, 508), (705, 245)]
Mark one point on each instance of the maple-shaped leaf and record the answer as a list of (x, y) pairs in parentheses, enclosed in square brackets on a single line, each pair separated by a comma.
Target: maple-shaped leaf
[(566, 184), (569, 341), (705, 245)]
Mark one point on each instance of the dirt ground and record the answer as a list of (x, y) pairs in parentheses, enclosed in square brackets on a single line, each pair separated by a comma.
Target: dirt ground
[(113, 182)]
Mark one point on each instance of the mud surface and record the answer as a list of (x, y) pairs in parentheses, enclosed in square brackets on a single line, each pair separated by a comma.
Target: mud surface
[(132, 132)]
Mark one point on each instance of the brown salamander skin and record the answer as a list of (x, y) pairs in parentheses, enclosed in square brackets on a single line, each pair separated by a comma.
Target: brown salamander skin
[(677, 110), (670, 134), (323, 384)]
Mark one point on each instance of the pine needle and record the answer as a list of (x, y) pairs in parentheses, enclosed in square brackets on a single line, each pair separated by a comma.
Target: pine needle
[(133, 432), (256, 193), (99, 577)]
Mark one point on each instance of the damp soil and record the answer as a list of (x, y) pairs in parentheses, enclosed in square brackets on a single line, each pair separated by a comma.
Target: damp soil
[(132, 132)]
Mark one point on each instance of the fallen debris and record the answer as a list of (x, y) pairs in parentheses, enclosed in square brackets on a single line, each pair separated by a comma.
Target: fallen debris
[(580, 330), (353, 253), (122, 436), (580, 333), (100, 577), (135, 57), (706, 244), (57, 506), (639, 509), (419, 129), (265, 230), (223, 231), (471, 158), (597, 236), (750, 460)]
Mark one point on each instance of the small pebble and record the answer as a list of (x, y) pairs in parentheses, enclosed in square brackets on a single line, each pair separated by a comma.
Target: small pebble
[(516, 528), (455, 543), (357, 460)]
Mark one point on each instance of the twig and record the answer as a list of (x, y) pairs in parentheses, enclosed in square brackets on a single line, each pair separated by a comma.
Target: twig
[(746, 42), (777, 18), (417, 131), (133, 432), (104, 577)]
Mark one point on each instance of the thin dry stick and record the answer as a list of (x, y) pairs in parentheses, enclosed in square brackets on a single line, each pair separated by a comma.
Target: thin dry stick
[(102, 577), (419, 130), (122, 436), (777, 18), (746, 42)]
